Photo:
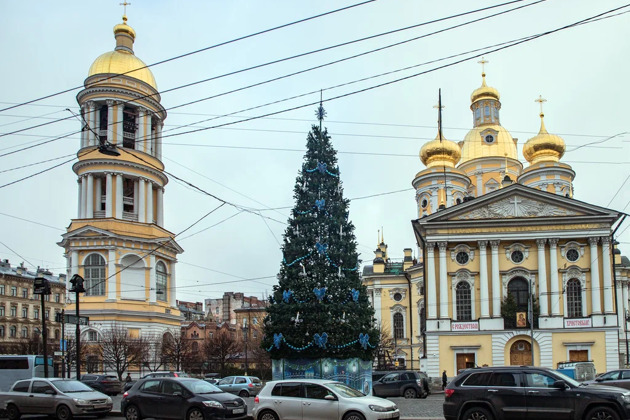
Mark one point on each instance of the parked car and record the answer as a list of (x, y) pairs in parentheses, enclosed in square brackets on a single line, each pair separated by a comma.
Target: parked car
[(172, 397), (107, 384), (405, 383), (243, 386), (165, 374), (319, 399), (620, 378), (56, 397), (526, 392)]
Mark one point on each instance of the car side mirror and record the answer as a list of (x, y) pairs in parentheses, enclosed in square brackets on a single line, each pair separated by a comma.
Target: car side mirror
[(330, 398), (600, 379), (560, 384)]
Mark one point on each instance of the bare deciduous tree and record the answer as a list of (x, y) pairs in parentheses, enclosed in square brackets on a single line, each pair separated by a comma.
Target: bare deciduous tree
[(176, 350), (119, 350), (222, 349)]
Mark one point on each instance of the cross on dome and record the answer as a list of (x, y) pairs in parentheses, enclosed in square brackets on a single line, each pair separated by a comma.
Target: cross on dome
[(124, 5), (483, 61), (540, 100)]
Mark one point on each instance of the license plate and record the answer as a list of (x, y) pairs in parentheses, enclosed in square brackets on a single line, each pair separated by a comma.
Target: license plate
[(238, 411)]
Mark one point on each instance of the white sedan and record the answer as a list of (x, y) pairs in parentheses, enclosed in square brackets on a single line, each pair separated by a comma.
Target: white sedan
[(313, 399)]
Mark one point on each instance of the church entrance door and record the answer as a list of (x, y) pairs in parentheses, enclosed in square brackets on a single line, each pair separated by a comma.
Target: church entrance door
[(521, 353)]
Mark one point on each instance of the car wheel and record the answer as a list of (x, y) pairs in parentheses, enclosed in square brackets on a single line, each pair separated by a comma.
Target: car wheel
[(267, 415), (243, 394), (353, 415), (410, 393), (195, 414), (602, 413), (13, 413), (477, 413), (132, 413), (63, 413)]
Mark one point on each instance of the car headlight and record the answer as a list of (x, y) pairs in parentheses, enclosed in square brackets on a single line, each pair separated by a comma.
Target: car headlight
[(109, 400), (80, 401), (214, 404), (378, 408), (625, 398)]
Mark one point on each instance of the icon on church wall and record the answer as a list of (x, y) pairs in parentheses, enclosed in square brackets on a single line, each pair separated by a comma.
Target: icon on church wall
[(521, 319)]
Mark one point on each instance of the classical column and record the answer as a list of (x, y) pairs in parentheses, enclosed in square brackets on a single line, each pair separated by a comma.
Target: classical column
[(80, 198), (150, 216), (152, 279), (84, 196), (553, 270), (110, 122), (496, 280), (91, 139), (89, 199), (377, 306), (119, 196), (543, 298), (479, 183), (449, 196), (74, 264), (119, 123), (111, 275), (431, 284), (596, 291), (158, 139), (443, 281), (142, 188), (141, 141), (170, 289), (98, 194), (109, 190), (84, 125), (606, 268), (483, 280), (159, 202)]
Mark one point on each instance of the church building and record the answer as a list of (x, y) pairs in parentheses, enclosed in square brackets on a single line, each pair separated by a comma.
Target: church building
[(118, 241)]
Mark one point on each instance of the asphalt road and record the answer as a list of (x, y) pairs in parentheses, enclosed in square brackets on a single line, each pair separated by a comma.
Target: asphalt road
[(410, 409)]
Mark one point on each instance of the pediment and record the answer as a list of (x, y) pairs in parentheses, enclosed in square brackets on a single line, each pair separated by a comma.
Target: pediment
[(88, 231), (517, 202)]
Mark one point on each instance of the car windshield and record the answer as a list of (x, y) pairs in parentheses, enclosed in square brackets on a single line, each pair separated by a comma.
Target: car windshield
[(566, 379), (345, 390), (71, 385), (201, 387)]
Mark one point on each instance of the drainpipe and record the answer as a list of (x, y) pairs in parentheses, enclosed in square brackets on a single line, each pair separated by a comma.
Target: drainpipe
[(424, 280), (408, 277)]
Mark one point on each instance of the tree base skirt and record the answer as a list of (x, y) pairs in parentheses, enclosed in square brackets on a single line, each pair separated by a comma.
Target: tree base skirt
[(353, 372)]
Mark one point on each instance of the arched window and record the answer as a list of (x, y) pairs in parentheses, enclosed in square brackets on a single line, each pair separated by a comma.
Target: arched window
[(160, 281), (24, 332), (574, 299), (94, 271), (12, 331), (462, 301), (1, 330), (519, 289), (399, 326)]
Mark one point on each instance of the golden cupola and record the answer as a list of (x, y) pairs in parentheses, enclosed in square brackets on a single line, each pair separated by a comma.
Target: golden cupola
[(544, 147), (122, 60), (440, 152)]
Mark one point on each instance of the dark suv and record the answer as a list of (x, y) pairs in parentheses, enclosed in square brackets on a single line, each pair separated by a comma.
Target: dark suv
[(404, 383), (107, 384), (524, 392)]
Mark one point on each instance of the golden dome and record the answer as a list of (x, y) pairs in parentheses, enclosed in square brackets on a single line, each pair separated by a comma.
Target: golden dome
[(122, 60), (484, 92), (544, 146), (440, 153), (488, 141)]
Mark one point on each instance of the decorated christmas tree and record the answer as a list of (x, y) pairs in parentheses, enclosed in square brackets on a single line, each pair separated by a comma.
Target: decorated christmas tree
[(320, 308)]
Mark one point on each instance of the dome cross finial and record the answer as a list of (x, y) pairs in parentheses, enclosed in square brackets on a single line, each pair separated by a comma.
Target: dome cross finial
[(483, 62), (439, 107), (541, 100), (124, 4)]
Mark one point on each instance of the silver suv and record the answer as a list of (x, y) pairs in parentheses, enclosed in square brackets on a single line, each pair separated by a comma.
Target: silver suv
[(243, 386)]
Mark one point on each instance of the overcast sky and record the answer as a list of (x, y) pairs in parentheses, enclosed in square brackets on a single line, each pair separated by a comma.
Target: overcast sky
[(48, 47)]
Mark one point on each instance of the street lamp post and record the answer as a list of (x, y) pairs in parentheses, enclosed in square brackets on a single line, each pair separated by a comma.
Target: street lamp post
[(245, 333), (42, 287), (77, 287)]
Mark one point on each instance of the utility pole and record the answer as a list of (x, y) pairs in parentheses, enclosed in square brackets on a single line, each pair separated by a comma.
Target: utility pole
[(42, 287), (531, 317), (77, 287)]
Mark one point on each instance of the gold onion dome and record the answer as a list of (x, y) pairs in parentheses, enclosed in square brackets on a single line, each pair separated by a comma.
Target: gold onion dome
[(544, 146), (485, 91), (122, 60), (440, 153)]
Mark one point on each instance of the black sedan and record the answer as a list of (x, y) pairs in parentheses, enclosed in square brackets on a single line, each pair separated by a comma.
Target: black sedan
[(180, 398)]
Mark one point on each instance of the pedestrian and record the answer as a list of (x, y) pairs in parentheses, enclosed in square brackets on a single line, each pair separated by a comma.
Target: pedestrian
[(444, 379), (128, 378)]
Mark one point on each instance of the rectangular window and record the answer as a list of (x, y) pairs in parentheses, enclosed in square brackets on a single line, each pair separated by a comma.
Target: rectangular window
[(13, 291), (13, 310), (36, 313), (25, 293), (2, 289), (25, 312), (2, 310), (57, 297), (1, 330)]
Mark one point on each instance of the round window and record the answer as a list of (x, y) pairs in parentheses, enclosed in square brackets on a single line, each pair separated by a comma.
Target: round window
[(424, 203), (462, 257), (573, 255), (397, 297), (517, 257), (489, 138)]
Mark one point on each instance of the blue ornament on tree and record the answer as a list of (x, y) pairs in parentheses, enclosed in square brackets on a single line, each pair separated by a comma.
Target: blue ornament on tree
[(277, 339), (364, 339), (320, 204), (321, 248), (320, 340), (355, 295), (286, 295), (320, 292), (321, 167)]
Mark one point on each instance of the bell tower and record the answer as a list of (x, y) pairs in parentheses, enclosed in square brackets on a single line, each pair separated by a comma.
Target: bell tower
[(118, 242)]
